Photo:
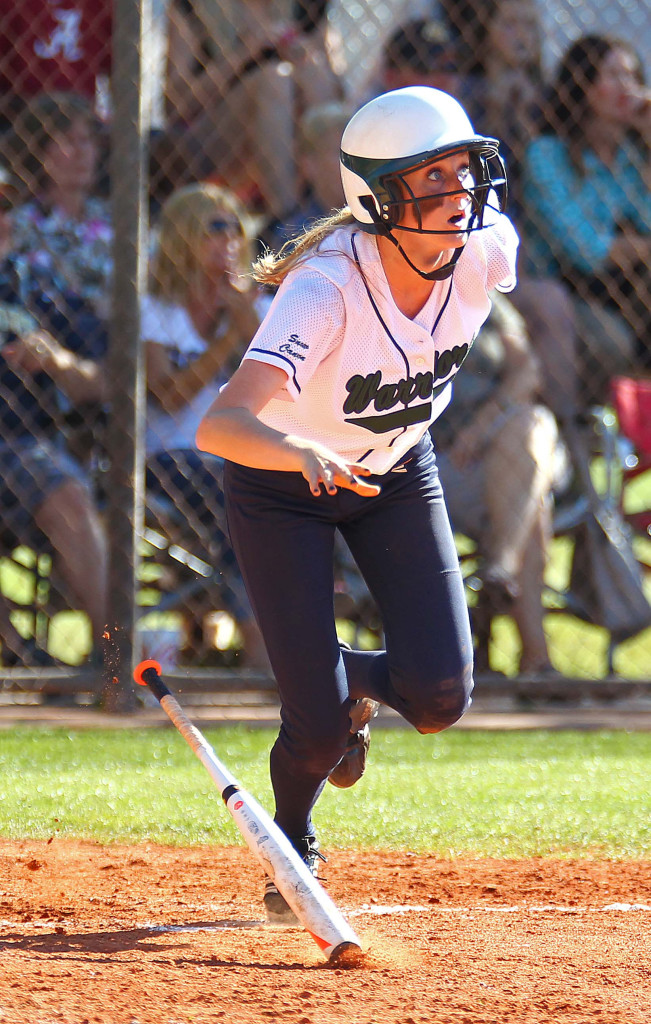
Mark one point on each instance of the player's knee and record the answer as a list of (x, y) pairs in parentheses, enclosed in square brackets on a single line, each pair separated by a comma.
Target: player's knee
[(445, 703)]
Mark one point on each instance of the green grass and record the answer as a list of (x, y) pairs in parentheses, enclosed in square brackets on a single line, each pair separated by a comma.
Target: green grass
[(473, 793)]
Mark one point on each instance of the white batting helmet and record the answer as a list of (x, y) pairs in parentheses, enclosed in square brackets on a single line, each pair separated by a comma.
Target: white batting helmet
[(399, 131)]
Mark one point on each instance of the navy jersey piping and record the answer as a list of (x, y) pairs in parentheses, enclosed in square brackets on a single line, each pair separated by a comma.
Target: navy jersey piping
[(380, 318), (374, 305), (393, 340), (442, 309), (277, 355)]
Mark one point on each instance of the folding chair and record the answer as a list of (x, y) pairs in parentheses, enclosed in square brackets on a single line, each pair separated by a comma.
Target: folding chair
[(37, 596), (631, 399)]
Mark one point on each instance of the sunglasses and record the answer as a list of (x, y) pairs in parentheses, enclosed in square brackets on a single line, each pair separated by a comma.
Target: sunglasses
[(221, 224)]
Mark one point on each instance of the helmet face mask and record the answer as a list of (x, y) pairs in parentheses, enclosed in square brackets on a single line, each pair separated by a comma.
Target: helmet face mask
[(403, 131), (390, 192)]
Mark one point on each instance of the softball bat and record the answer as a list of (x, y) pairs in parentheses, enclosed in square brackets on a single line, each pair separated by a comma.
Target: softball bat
[(278, 858)]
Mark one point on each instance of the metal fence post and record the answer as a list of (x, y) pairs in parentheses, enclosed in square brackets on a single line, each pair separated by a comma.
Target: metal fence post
[(125, 482)]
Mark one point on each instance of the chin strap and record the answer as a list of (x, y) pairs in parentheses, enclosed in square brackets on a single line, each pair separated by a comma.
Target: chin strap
[(434, 275)]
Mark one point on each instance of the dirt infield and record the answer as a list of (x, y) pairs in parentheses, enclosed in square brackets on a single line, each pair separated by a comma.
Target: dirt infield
[(155, 935)]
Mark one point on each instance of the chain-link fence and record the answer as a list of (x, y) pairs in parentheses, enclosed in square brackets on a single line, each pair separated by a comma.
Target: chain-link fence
[(139, 180)]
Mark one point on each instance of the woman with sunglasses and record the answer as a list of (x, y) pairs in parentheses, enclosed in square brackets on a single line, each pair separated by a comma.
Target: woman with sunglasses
[(194, 321), (324, 427)]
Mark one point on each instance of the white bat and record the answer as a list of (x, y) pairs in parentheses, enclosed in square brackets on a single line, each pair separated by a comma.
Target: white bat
[(278, 858)]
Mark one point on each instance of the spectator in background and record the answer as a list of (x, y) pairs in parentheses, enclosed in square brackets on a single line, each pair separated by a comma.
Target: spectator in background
[(495, 448), (421, 52), (52, 46), (199, 315), (64, 229), (319, 134), (232, 104), (44, 492), (502, 81), (493, 68), (587, 237)]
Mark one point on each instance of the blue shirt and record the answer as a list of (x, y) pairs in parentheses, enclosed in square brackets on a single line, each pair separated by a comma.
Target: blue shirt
[(571, 218)]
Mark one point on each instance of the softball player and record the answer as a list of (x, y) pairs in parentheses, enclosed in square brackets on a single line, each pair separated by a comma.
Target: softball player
[(324, 427)]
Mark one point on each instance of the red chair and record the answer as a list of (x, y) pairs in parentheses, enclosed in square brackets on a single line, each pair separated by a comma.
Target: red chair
[(632, 403)]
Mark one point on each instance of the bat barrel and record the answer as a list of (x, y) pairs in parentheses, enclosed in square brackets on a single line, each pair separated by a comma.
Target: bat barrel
[(278, 858), (316, 911), (347, 954)]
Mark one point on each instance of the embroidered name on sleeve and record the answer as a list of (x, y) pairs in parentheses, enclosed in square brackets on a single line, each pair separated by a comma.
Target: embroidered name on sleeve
[(290, 347)]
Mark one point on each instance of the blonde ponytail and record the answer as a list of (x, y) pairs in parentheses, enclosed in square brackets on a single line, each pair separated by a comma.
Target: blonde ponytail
[(272, 268)]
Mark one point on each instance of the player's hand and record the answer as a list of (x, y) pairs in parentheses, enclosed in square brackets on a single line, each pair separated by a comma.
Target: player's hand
[(355, 481), (322, 468)]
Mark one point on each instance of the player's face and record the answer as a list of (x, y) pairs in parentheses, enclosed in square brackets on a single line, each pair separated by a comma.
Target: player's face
[(444, 202)]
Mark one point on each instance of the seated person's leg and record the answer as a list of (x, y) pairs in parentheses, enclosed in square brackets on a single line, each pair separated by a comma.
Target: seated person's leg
[(45, 496), (607, 348), (70, 521), (502, 500), (528, 611), (519, 481), (548, 310)]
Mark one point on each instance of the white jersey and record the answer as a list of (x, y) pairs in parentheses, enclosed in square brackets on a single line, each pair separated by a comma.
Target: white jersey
[(362, 378), (170, 325)]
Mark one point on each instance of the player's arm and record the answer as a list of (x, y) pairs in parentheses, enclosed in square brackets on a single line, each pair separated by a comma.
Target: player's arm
[(231, 428)]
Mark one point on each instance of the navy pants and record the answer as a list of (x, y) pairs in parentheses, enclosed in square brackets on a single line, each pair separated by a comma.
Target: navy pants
[(283, 537)]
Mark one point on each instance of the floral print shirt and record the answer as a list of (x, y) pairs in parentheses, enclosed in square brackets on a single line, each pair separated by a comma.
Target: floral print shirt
[(76, 254)]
